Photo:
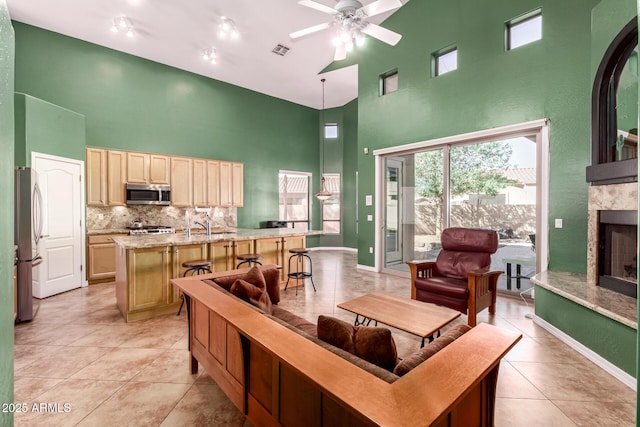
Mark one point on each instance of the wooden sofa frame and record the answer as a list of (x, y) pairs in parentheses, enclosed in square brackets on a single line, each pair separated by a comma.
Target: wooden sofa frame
[(277, 377)]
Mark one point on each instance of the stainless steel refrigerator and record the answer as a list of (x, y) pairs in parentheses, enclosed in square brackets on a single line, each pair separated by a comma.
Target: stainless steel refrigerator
[(27, 233)]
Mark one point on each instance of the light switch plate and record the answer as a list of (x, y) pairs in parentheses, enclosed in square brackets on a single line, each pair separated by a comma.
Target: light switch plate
[(368, 200), (558, 222), (369, 217)]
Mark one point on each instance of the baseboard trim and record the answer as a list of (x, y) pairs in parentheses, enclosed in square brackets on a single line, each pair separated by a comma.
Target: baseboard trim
[(333, 248), (600, 361), (366, 268)]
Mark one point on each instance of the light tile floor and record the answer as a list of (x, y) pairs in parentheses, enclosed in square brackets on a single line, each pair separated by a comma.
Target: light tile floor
[(80, 352)]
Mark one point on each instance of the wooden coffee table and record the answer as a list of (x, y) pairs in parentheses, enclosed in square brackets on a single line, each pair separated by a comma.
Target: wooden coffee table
[(415, 317)]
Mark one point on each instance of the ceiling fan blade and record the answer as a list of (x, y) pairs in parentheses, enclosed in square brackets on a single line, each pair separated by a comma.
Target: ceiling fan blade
[(382, 34), (380, 6), (341, 52), (310, 30), (319, 6)]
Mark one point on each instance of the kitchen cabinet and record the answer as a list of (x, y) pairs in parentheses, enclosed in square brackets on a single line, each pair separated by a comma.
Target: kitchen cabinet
[(213, 183), (101, 258), (271, 250), (222, 256), (116, 178), (200, 182), (96, 179), (242, 247), (231, 184), (106, 177), (181, 181), (145, 168), (149, 271)]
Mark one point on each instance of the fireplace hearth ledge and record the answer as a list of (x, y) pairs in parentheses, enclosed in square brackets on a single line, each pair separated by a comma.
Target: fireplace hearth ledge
[(574, 287)]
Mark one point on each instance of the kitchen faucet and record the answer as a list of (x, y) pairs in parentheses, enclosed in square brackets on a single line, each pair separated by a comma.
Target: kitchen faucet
[(206, 227)]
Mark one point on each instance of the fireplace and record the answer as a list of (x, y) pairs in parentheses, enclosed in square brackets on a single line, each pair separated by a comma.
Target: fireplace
[(617, 246)]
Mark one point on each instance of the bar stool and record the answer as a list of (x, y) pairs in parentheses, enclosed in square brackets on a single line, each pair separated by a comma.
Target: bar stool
[(195, 267), (300, 254), (249, 259)]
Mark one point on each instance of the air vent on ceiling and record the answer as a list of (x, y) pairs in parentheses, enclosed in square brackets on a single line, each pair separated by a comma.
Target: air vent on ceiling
[(280, 50)]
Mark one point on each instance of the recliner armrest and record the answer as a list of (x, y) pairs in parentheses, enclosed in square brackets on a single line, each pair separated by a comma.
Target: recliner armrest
[(419, 270)]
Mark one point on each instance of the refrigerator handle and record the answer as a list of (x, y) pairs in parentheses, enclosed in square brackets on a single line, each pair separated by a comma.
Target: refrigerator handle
[(37, 213)]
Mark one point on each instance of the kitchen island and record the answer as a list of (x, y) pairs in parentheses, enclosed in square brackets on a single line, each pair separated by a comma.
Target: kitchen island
[(146, 263)]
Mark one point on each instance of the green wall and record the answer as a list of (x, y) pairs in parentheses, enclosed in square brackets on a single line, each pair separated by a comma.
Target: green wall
[(546, 79), (135, 104), (46, 128), (6, 211), (349, 170)]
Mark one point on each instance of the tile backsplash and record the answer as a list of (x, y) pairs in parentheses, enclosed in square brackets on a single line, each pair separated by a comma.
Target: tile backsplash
[(120, 217)]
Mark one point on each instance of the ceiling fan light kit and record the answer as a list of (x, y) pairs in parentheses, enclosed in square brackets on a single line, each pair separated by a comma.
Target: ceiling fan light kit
[(350, 16)]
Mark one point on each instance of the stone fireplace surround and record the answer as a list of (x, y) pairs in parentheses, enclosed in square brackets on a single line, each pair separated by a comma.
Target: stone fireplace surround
[(613, 197)]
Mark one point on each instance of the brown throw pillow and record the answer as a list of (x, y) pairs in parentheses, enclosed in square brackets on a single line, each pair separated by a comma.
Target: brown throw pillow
[(337, 333), (252, 294), (373, 344), (376, 345), (253, 276), (410, 362)]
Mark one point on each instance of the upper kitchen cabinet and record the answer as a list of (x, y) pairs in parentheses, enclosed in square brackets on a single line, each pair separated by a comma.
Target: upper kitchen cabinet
[(213, 183), (200, 182), (106, 176), (116, 178), (96, 163), (231, 184), (181, 181), (144, 168)]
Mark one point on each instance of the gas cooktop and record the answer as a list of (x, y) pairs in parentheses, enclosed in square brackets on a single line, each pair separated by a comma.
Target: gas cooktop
[(151, 229)]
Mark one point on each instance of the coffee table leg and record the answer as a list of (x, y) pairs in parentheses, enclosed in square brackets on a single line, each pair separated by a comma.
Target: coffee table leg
[(364, 322)]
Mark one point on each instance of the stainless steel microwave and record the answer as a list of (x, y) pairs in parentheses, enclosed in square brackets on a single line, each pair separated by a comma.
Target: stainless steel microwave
[(148, 194)]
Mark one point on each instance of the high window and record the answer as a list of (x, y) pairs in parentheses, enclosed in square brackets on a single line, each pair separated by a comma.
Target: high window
[(294, 198), (389, 82), (445, 61), (330, 131), (331, 207), (524, 29)]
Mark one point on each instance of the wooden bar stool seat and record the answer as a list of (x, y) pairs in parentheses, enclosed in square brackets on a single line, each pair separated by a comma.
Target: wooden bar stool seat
[(200, 266), (251, 259)]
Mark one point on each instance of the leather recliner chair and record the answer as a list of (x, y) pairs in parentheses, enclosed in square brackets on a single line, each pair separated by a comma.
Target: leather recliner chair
[(460, 277)]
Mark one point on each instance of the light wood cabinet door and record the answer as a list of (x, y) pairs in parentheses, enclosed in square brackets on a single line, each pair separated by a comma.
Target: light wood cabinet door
[(242, 247), (181, 181), (225, 184), (149, 273), (222, 256), (213, 183), (159, 169), (117, 178), (137, 168), (182, 254), (200, 182), (96, 180), (237, 184), (101, 257), (271, 250)]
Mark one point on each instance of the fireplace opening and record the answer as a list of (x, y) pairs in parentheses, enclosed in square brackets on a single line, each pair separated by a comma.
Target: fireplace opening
[(618, 242)]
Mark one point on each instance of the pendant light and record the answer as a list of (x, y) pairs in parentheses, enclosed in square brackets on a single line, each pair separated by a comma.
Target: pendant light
[(323, 194)]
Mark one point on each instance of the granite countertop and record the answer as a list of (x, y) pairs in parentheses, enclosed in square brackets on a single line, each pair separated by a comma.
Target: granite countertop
[(574, 287), (108, 231), (179, 239)]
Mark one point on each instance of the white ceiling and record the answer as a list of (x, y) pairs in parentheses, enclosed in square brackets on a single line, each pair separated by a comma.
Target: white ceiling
[(175, 33)]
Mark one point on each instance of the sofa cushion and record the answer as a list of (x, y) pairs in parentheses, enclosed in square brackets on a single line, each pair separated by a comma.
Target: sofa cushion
[(410, 362), (252, 294), (373, 344), (294, 320), (253, 276)]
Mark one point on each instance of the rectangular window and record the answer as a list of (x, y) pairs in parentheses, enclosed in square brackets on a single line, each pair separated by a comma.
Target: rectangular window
[(294, 201), (331, 207), (524, 30), (389, 82), (330, 131), (445, 61)]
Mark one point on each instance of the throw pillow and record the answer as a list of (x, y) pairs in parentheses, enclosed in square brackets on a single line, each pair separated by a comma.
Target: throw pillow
[(373, 344), (410, 362), (337, 333), (253, 276), (252, 294)]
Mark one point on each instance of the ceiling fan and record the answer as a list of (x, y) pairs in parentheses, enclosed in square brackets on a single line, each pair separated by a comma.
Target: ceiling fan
[(350, 16)]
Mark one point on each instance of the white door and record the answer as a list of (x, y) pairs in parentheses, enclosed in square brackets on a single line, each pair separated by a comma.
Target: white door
[(62, 242)]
